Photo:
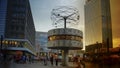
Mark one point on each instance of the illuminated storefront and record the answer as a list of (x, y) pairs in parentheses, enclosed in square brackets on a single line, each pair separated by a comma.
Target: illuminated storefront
[(12, 46)]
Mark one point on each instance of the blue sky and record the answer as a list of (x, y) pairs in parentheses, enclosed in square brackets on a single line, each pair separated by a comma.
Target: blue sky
[(41, 11)]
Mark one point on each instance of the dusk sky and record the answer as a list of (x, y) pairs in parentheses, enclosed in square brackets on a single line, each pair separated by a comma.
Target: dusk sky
[(41, 11)]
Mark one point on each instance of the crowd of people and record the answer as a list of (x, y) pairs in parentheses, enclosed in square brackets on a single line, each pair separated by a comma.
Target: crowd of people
[(53, 59), (5, 58), (24, 59), (16, 58), (78, 61)]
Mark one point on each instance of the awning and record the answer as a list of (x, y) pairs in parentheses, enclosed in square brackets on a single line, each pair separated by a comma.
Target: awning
[(20, 49)]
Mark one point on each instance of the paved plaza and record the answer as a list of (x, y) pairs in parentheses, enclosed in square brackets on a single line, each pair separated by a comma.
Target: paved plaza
[(35, 65), (41, 65)]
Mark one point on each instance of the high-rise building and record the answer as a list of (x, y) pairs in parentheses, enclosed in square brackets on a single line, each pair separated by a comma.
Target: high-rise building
[(17, 26), (98, 27), (115, 16)]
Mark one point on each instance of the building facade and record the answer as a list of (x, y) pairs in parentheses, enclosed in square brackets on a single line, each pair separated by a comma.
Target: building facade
[(98, 23), (41, 43), (115, 15), (17, 26)]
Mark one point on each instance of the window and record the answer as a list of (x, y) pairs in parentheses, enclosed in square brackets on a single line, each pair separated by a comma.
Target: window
[(64, 37)]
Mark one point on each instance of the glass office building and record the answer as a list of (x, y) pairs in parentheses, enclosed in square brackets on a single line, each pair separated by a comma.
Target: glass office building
[(98, 27), (17, 26), (41, 43), (115, 16)]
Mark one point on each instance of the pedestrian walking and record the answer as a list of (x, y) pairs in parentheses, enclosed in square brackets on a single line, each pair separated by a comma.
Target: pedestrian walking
[(29, 59), (23, 59), (56, 60), (1, 58), (45, 60), (82, 62), (32, 59), (77, 61), (51, 60)]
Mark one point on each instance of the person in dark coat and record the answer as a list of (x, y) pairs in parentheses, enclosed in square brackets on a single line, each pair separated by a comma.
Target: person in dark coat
[(51, 59), (56, 60)]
